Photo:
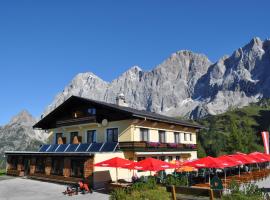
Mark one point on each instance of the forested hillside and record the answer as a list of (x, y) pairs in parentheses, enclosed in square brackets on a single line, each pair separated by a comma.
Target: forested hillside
[(235, 130)]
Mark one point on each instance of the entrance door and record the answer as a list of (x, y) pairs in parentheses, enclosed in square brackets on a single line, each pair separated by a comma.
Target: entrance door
[(26, 166)]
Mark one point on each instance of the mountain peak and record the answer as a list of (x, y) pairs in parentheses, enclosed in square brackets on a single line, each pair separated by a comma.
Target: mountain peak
[(23, 118)]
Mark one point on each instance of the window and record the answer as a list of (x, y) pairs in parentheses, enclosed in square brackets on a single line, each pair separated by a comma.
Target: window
[(190, 137), (58, 135), (144, 134), (91, 111), (176, 137), (140, 159), (40, 165), (72, 135), (177, 157), (57, 166), (162, 158), (112, 135), (13, 161), (185, 136), (170, 158), (77, 168), (162, 137), (91, 136)]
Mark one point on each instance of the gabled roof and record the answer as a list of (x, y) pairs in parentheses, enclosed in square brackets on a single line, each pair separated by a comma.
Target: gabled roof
[(127, 111)]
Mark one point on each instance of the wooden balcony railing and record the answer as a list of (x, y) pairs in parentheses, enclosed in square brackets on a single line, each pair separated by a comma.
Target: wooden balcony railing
[(150, 146), (74, 121)]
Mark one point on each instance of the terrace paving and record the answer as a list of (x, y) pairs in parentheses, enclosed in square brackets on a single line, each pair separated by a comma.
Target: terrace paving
[(12, 188)]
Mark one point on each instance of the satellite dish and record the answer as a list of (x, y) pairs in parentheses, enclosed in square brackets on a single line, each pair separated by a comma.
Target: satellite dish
[(104, 122)]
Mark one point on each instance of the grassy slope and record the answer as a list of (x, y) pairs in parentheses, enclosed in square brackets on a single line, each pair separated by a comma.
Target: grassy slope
[(255, 117)]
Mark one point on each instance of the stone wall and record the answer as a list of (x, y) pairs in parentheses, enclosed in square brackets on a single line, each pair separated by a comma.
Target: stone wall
[(88, 167)]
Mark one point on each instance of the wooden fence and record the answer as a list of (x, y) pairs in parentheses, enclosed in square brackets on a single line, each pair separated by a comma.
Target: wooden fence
[(194, 191)]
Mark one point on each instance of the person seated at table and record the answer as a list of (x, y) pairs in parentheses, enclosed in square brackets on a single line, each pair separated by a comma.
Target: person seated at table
[(135, 178)]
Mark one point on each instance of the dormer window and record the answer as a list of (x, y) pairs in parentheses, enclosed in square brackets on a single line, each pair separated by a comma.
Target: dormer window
[(91, 111)]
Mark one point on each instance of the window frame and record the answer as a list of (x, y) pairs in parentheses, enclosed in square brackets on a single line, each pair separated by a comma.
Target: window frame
[(106, 134), (179, 137), (59, 162), (142, 136), (71, 138), (160, 137), (80, 164), (94, 138), (185, 137), (56, 137)]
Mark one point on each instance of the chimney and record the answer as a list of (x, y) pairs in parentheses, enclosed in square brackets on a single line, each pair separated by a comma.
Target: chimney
[(120, 100)]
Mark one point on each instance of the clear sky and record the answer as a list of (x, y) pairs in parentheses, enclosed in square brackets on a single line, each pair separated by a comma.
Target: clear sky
[(45, 43)]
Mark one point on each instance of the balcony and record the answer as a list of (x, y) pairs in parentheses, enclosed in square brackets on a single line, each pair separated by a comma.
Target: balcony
[(156, 146), (75, 121)]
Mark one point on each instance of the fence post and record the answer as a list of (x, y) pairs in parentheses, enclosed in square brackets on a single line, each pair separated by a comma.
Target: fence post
[(173, 192), (211, 194)]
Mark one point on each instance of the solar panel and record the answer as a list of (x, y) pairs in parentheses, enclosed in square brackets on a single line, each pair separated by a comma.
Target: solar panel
[(95, 147), (109, 146), (52, 148), (61, 148), (44, 147), (71, 148), (83, 147)]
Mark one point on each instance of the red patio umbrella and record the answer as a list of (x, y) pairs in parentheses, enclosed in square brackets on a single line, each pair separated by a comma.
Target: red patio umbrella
[(115, 162), (245, 159), (210, 162), (263, 155), (259, 157), (151, 164), (229, 161), (233, 161)]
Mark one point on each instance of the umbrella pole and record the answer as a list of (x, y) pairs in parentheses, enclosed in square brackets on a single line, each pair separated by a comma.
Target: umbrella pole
[(225, 178), (209, 175), (116, 174), (239, 170)]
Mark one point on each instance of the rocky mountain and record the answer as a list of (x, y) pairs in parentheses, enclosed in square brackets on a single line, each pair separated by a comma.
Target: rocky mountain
[(18, 134), (186, 84)]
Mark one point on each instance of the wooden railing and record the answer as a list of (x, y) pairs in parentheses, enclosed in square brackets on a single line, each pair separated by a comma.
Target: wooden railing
[(74, 121), (193, 192), (156, 146)]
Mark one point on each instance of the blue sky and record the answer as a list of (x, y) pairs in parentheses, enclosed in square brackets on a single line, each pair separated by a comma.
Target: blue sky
[(44, 44)]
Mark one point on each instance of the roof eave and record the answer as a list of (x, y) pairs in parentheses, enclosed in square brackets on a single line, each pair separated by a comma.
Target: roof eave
[(170, 122)]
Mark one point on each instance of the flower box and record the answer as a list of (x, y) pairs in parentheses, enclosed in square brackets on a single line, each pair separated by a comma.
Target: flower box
[(172, 145), (153, 144)]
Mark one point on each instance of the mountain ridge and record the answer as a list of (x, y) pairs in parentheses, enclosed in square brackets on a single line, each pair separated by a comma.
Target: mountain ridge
[(185, 84), (18, 134)]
